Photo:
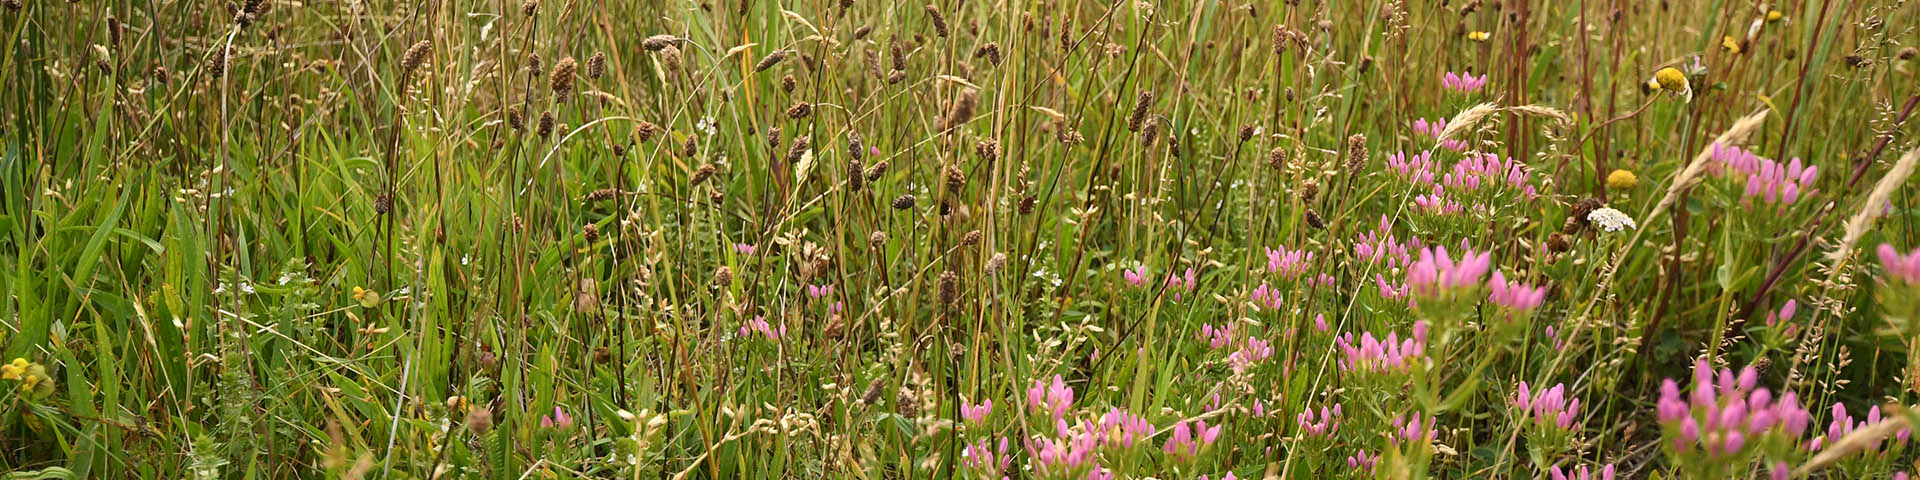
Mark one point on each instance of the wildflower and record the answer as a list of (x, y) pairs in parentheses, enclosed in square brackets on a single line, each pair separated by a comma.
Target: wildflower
[(1374, 355), (1288, 263), (1583, 473), (1672, 80), (976, 414), (1775, 15), (1621, 179), (367, 298), (817, 291), (1724, 412), (1900, 268), (1323, 425), (1548, 408), (559, 420), (1361, 461), (1052, 399), (1189, 282), (1611, 220), (1842, 424), (1517, 296), (1124, 428), (1187, 442), (1786, 313), (1136, 277), (759, 325), (14, 370), (1731, 44), (1478, 35), (1251, 352), (1436, 273), (744, 248), (1410, 429), (1463, 83), (989, 462), (1266, 296)]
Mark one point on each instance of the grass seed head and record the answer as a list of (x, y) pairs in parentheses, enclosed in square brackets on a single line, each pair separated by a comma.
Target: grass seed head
[(596, 66), (562, 80), (416, 55)]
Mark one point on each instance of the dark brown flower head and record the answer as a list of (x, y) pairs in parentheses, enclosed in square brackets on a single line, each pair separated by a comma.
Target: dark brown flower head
[(787, 83), (382, 204), (874, 172), (949, 288), (898, 52), (644, 131), (602, 195), (1277, 158), (1314, 220), (956, 179), (799, 149), (700, 175), (770, 60), (535, 67), (1356, 153), (546, 124), (1558, 242), (1309, 190), (971, 238), (1028, 203), (773, 137), (903, 202), (997, 263), (416, 55), (660, 42), (596, 66), (855, 178), (854, 149), (939, 21), (1141, 106), (1246, 132), (799, 110), (722, 277), (691, 148), (990, 51), (988, 150), (479, 419), (590, 232), (862, 32), (1580, 210), (516, 118), (960, 110), (562, 80), (896, 77)]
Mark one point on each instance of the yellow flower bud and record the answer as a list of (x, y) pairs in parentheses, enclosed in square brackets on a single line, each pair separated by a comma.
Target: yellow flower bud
[(1621, 179)]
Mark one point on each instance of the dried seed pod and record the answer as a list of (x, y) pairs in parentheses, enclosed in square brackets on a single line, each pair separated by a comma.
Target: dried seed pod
[(530, 7), (874, 172), (854, 149), (787, 83), (971, 238), (990, 51), (1138, 119), (700, 175), (722, 277), (799, 149), (546, 124), (799, 110), (691, 148), (1309, 190), (960, 110), (660, 42), (1027, 204), (949, 288), (416, 55), (644, 131), (855, 178), (773, 137), (535, 68), (516, 118), (1313, 220), (562, 80), (1246, 132), (1558, 242), (903, 202), (939, 21), (862, 32), (602, 195), (382, 204), (596, 66), (1356, 153), (988, 150), (1277, 158), (896, 77), (769, 61), (877, 239), (956, 179), (899, 54), (997, 263)]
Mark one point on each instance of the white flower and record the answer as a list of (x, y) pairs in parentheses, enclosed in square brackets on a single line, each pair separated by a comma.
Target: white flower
[(1611, 220)]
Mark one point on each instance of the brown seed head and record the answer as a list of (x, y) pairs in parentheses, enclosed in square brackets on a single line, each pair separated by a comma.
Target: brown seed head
[(949, 288), (644, 131), (660, 42), (799, 110), (1356, 153), (903, 202), (877, 239), (874, 172), (596, 65), (769, 61), (530, 7), (1141, 106), (971, 238), (1277, 158), (722, 277), (546, 124), (416, 55), (479, 419), (700, 175), (562, 80), (939, 21)]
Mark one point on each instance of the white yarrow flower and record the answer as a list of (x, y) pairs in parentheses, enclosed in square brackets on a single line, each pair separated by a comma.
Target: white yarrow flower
[(1611, 220)]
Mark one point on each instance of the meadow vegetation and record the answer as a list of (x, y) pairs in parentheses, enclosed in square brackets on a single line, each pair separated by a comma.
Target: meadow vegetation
[(1055, 239)]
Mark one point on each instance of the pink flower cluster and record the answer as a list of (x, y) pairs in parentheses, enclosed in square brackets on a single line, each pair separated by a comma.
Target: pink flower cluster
[(1437, 273), (1288, 263), (1186, 442), (1068, 453), (1136, 276), (1515, 295), (1768, 180), (1547, 408), (1321, 426), (1381, 244), (1463, 83), (1373, 355), (1410, 430), (1177, 284), (559, 420), (817, 291), (1724, 411), (1219, 337), (1267, 297), (1488, 169), (1053, 399), (1582, 473), (1432, 129), (1122, 428), (1900, 268), (1251, 352), (1417, 168), (1438, 203), (1362, 462), (760, 326), (976, 414), (986, 462), (1842, 424)]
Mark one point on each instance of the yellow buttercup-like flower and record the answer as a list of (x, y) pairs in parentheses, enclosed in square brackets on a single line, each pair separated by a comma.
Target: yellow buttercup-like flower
[(367, 298), (1775, 16), (1621, 179), (1672, 80), (1478, 35), (12, 371), (1729, 43)]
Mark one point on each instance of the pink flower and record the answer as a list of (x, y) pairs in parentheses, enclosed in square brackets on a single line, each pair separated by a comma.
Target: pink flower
[(760, 326), (1900, 268), (744, 248), (1463, 83), (1052, 399), (976, 414), (1288, 263), (1136, 277), (1436, 273), (559, 420), (1321, 426), (1517, 296)]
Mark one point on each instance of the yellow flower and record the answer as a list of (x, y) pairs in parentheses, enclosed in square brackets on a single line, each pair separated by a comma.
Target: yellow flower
[(1775, 16), (1732, 46), (12, 371), (367, 298), (29, 382), (1478, 35), (1621, 179), (1672, 80)]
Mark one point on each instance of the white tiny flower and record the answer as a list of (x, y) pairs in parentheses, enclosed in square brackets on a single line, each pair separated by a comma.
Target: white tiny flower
[(1611, 220)]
